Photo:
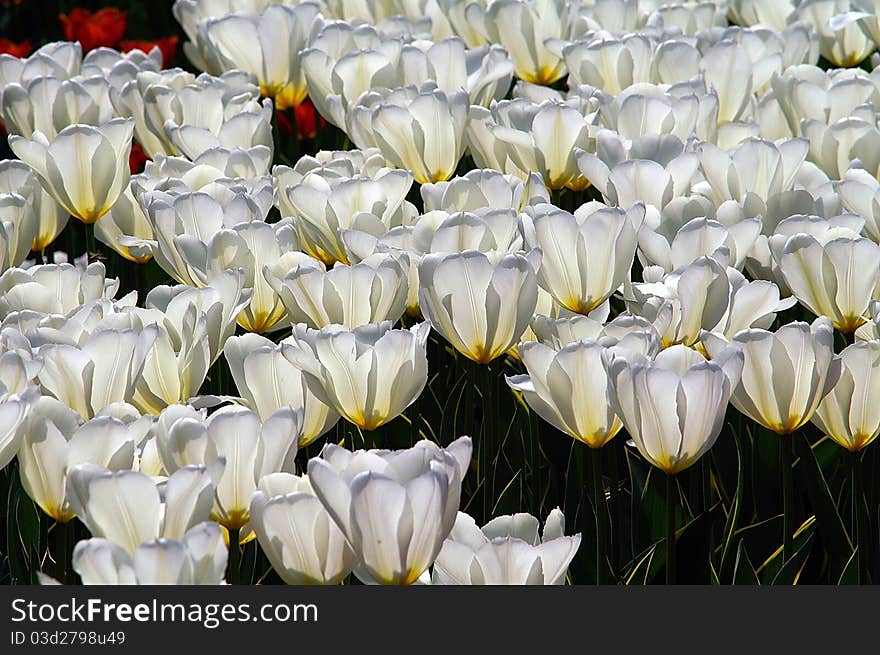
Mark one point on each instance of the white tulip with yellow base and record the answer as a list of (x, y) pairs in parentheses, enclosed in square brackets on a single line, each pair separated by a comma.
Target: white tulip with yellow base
[(266, 45), (481, 303), (369, 374), (297, 534), (248, 447), (18, 178), (786, 372), (84, 168), (681, 304), (56, 441), (849, 414), (586, 255), (417, 128), (268, 381), (568, 387), (523, 28), (324, 201), (833, 275), (673, 406), (521, 137), (395, 508), (841, 41)]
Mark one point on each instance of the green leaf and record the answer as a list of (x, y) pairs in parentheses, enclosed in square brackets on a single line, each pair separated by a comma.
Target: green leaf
[(830, 525), (791, 571), (727, 553), (773, 565), (743, 571), (22, 533), (850, 574)]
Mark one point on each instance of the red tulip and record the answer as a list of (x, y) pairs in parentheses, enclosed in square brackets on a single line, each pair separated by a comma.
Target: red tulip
[(21, 49), (307, 120), (137, 159), (167, 44), (93, 30)]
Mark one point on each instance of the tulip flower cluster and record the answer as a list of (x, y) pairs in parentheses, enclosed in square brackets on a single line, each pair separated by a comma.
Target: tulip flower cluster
[(630, 249)]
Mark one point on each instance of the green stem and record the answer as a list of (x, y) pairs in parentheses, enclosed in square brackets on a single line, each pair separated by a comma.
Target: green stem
[(62, 552), (670, 528), (234, 564), (786, 459), (859, 516), (599, 510), (614, 500), (90, 241), (488, 399)]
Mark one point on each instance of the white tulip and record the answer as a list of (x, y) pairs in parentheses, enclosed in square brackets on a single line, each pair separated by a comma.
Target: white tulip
[(370, 374), (62, 59), (860, 193), (419, 128), (523, 28), (221, 301), (342, 61), (485, 230), (266, 45), (482, 188), (300, 539), (506, 551), (847, 414), (178, 113), (190, 13), (14, 410), (268, 382), (673, 245), (128, 508), (48, 217), (101, 371), (197, 558), (54, 288), (395, 508), (682, 303), (834, 275), (480, 303), (567, 389), (586, 255), (49, 104), (84, 168), (371, 291), (808, 92), (56, 441), (774, 14), (786, 373), (844, 44), (235, 435), (673, 406), (752, 304), (520, 137), (323, 202), (655, 173), (834, 146), (653, 110), (756, 167)]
